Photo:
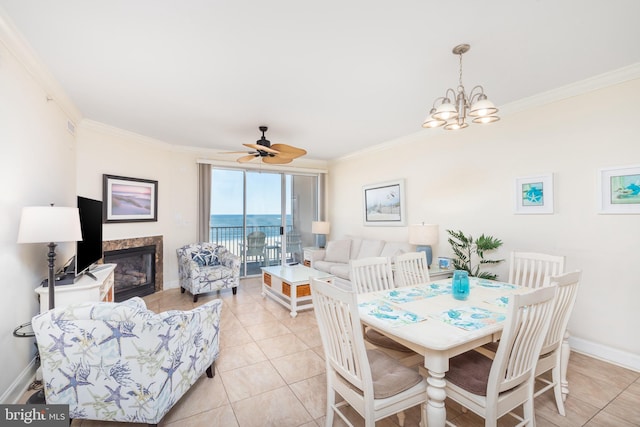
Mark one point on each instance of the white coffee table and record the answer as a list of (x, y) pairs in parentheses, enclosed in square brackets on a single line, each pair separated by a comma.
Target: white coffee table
[(290, 285)]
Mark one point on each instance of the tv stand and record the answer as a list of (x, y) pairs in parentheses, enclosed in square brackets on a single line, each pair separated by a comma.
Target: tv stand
[(97, 287)]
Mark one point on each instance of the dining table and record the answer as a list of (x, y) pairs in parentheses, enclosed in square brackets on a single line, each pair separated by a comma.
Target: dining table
[(427, 319)]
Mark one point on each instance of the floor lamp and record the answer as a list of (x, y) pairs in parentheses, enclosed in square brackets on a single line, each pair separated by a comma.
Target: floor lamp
[(49, 224)]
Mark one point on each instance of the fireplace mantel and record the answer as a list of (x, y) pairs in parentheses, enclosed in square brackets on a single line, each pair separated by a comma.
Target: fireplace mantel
[(135, 242)]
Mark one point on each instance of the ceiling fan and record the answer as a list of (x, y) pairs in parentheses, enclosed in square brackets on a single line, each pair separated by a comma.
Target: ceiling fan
[(274, 154)]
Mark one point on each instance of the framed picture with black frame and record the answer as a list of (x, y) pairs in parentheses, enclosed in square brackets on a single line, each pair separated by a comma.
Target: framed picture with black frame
[(129, 199)]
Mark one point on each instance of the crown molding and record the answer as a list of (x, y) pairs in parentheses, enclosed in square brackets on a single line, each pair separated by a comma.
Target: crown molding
[(581, 87), (22, 51)]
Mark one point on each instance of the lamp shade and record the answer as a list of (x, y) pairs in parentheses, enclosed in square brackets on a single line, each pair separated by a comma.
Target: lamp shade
[(320, 227), (44, 224), (423, 234)]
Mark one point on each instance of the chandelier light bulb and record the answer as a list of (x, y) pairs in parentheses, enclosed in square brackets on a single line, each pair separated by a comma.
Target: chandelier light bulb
[(446, 111), (482, 108)]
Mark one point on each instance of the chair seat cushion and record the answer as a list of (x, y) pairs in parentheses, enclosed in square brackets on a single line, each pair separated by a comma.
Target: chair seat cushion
[(390, 377), (380, 340), (470, 371)]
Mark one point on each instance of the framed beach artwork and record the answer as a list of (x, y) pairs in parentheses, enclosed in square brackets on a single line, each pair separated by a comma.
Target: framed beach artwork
[(129, 199), (384, 204), (534, 194), (620, 190)]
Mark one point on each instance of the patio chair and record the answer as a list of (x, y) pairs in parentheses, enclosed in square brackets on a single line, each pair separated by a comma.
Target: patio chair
[(256, 246)]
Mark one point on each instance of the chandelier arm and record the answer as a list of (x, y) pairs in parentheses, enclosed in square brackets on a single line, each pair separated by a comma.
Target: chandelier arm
[(476, 96)]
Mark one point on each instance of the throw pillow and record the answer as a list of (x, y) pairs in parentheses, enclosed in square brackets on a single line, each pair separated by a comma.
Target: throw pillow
[(202, 257), (337, 251)]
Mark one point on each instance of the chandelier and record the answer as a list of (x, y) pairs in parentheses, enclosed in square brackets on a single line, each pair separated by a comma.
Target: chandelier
[(454, 116)]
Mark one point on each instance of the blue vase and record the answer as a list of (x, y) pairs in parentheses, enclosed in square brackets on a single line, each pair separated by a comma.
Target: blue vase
[(460, 285)]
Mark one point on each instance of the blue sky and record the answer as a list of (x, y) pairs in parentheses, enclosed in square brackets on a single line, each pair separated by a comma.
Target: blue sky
[(263, 192)]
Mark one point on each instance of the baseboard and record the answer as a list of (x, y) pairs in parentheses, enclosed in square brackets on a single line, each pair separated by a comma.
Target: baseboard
[(607, 354), (20, 385)]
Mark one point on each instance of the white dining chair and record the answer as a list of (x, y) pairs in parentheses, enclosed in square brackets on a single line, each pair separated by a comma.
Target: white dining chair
[(369, 275), (370, 381), (552, 348), (532, 269), (493, 388), (411, 269)]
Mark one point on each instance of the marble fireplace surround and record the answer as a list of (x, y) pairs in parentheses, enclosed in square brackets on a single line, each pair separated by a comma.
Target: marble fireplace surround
[(136, 242)]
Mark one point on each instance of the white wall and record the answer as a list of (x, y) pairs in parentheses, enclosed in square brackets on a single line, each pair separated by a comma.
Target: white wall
[(106, 150), (465, 180), (37, 167)]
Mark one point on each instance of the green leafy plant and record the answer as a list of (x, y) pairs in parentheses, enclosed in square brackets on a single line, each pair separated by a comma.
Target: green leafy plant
[(467, 250)]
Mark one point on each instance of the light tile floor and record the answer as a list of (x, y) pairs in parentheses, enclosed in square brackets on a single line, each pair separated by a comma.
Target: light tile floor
[(271, 373)]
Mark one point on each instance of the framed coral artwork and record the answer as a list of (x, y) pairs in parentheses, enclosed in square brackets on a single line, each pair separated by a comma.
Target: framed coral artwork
[(534, 194), (620, 190)]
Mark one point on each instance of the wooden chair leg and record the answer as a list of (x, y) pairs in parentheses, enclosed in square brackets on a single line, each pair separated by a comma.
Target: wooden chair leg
[(195, 298), (182, 290), (234, 290), (211, 370)]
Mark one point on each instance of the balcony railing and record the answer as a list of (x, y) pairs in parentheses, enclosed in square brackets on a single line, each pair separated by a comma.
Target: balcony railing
[(233, 239)]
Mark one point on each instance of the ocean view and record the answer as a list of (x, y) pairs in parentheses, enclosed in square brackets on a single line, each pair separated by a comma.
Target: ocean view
[(268, 223)]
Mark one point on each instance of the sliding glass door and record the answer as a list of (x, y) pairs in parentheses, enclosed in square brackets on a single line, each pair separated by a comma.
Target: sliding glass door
[(264, 217)]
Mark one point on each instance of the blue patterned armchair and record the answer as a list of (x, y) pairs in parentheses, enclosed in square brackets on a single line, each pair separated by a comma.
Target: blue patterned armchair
[(122, 362), (206, 267)]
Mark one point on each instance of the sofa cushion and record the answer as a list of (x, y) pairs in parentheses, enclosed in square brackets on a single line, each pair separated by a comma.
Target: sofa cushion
[(338, 251), (202, 257), (370, 248), (393, 249), (341, 270), (355, 246), (324, 265)]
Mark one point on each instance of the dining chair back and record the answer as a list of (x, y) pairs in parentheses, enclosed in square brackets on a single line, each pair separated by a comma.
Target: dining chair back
[(533, 269), (551, 353), (370, 381), (411, 269), (374, 274), (493, 388), (371, 274)]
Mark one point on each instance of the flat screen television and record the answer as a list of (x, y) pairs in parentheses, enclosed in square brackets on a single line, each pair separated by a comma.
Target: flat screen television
[(89, 250)]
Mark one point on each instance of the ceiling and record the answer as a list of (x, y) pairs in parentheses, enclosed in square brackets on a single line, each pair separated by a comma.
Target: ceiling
[(332, 77)]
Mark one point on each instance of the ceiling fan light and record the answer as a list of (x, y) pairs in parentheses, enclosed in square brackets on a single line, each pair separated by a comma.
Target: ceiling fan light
[(486, 119), (445, 111), (482, 108)]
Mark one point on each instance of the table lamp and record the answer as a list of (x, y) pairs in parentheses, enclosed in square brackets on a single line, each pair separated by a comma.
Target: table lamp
[(42, 224), (321, 228), (424, 235)]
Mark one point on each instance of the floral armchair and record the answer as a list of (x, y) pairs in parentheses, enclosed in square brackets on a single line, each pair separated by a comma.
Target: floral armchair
[(206, 267), (122, 362)]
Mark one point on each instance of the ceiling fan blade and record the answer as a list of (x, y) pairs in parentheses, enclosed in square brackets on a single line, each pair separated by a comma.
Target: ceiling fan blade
[(238, 152), (277, 160), (261, 147), (248, 158), (289, 151)]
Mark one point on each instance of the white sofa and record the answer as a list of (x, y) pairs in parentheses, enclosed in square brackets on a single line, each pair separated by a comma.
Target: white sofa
[(334, 259)]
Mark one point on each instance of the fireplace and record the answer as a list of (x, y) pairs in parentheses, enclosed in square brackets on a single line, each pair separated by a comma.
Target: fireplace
[(139, 265), (135, 271)]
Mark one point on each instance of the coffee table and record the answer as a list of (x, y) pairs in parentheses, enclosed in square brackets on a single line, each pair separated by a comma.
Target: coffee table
[(289, 285)]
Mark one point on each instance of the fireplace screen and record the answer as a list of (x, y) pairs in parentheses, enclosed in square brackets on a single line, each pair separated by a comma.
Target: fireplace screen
[(135, 271)]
